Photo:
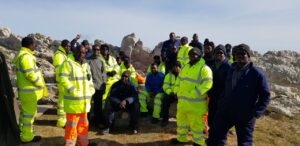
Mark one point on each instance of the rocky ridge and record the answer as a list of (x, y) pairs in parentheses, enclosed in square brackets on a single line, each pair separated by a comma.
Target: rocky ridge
[(281, 67)]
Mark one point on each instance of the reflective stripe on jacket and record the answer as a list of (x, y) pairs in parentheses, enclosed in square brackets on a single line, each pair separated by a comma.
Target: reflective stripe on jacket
[(29, 77), (183, 54), (192, 85), (59, 57), (169, 83), (77, 81)]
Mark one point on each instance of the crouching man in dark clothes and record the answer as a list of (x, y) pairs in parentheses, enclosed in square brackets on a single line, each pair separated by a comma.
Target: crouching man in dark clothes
[(123, 96), (246, 98)]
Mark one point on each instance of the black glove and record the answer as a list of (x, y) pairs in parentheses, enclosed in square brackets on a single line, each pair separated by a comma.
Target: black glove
[(113, 73)]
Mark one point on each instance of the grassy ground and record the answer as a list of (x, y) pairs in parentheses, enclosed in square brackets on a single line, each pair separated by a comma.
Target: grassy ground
[(273, 130)]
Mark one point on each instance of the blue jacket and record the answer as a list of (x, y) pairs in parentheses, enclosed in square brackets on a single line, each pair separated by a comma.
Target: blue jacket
[(219, 81), (154, 83), (167, 53), (249, 97), (197, 44)]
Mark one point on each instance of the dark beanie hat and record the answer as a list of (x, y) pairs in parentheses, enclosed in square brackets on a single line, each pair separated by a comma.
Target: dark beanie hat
[(243, 47), (85, 42), (220, 47)]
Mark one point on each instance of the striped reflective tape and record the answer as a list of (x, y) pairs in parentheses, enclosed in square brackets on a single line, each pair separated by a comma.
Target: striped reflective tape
[(77, 98), (27, 124), (199, 138), (63, 75), (71, 89), (37, 79), (28, 116), (183, 127), (29, 90), (83, 137), (192, 99), (71, 123)]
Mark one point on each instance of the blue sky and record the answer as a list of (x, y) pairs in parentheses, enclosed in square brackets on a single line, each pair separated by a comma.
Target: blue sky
[(262, 24)]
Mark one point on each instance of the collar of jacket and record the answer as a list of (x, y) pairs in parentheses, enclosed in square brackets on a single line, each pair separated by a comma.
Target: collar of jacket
[(60, 48), (27, 50)]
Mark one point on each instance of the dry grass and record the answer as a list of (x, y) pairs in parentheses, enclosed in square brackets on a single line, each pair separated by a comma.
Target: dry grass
[(270, 130)]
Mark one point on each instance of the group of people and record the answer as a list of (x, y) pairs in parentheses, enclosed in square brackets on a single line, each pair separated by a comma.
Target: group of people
[(216, 88)]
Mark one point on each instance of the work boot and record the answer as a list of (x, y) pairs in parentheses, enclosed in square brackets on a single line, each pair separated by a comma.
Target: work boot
[(34, 140), (195, 144), (154, 120)]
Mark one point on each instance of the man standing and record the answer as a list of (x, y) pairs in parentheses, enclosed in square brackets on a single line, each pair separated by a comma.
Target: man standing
[(160, 65), (195, 42), (192, 85), (59, 57), (246, 98), (76, 78), (184, 49), (169, 51), (31, 88), (74, 43), (123, 96), (86, 45), (99, 79), (220, 69), (111, 66)]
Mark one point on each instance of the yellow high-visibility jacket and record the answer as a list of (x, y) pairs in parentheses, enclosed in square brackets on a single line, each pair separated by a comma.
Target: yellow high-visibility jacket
[(161, 68), (183, 54), (132, 73), (77, 81), (59, 57), (192, 85), (29, 77), (111, 65), (169, 83)]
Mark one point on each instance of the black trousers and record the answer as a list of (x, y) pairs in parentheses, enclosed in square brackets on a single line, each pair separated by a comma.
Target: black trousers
[(97, 108), (167, 100), (132, 109), (223, 122)]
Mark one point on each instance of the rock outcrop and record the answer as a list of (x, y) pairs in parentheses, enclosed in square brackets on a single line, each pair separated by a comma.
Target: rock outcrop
[(281, 67)]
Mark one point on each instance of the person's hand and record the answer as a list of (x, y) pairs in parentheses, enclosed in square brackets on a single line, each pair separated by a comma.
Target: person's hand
[(123, 104), (77, 36)]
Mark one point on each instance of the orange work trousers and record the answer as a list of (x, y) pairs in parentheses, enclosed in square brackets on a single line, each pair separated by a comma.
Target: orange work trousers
[(77, 128)]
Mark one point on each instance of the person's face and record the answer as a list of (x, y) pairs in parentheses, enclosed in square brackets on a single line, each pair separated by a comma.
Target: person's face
[(219, 55), (176, 69), (125, 78), (96, 51), (183, 41), (193, 56), (104, 51), (119, 61), (154, 69), (172, 36), (195, 37), (207, 49), (241, 56), (32, 47), (67, 48), (81, 54), (87, 47)]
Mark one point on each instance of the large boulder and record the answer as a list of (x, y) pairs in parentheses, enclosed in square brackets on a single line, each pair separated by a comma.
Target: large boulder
[(128, 44), (9, 40), (282, 69)]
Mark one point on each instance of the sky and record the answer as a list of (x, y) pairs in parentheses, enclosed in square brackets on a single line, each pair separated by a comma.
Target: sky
[(264, 25)]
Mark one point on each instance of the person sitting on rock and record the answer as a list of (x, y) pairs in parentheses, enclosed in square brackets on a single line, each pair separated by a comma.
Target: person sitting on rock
[(123, 96), (154, 91), (127, 66)]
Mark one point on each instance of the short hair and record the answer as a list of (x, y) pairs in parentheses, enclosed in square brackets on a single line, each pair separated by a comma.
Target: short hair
[(85, 42), (64, 43), (104, 46), (27, 41), (94, 46)]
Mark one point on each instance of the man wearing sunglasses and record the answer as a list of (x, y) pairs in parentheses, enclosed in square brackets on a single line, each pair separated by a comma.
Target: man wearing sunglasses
[(245, 98)]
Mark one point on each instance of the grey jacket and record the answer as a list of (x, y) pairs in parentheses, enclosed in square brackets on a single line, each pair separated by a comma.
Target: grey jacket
[(98, 72)]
